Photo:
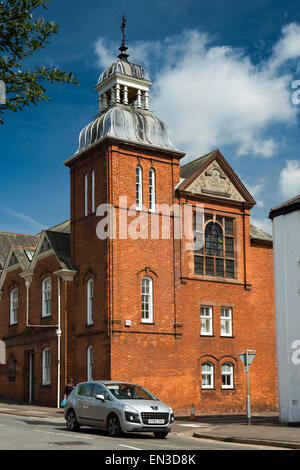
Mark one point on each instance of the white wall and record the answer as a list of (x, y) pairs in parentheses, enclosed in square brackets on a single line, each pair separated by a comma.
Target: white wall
[(286, 238)]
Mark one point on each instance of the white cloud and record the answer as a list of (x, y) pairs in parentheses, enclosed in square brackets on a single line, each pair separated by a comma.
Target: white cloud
[(289, 180), (105, 58), (255, 191), (288, 46), (215, 96), (211, 96)]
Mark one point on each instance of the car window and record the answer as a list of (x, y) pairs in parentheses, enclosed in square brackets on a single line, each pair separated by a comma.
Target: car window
[(85, 390), (130, 392), (99, 389)]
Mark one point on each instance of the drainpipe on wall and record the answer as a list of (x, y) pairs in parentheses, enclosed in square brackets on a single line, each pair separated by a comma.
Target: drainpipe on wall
[(65, 275)]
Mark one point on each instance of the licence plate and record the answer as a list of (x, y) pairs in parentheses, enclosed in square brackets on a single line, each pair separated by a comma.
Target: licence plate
[(156, 421)]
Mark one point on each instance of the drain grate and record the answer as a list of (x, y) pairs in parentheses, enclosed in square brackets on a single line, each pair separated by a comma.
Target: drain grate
[(71, 443)]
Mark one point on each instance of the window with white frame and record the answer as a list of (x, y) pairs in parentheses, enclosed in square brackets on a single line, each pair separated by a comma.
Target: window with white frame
[(207, 375), (46, 361), (226, 321), (46, 297), (227, 375), (86, 205), (90, 362), (206, 320), (93, 190), (14, 298), (147, 300), (90, 301), (152, 195), (139, 187)]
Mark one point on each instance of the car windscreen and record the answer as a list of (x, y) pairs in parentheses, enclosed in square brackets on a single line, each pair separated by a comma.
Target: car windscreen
[(129, 392)]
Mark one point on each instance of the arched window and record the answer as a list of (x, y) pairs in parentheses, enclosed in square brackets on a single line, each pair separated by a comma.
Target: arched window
[(46, 367), (147, 300), (90, 362), (93, 190), (227, 375), (152, 192), (86, 205), (46, 297), (207, 375), (213, 239), (216, 255), (90, 301), (14, 298), (139, 187)]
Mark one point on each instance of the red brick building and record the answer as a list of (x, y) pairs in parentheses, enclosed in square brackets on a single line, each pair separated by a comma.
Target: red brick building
[(166, 309)]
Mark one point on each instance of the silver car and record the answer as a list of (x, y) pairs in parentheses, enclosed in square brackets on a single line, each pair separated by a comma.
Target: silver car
[(117, 407)]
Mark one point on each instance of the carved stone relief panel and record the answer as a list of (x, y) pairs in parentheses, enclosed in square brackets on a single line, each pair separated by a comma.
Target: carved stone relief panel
[(214, 182)]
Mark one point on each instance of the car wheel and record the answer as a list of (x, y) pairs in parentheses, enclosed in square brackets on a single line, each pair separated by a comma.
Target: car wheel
[(160, 435), (72, 423), (113, 426)]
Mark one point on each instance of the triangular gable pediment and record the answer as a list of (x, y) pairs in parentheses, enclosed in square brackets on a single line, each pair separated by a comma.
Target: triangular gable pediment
[(215, 178), (43, 249), (17, 257), (53, 243), (214, 182)]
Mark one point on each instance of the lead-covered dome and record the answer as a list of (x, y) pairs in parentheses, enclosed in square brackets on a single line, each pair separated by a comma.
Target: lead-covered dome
[(123, 67), (127, 124), (123, 112)]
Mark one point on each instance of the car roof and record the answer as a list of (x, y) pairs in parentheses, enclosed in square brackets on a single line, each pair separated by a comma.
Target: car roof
[(107, 382), (115, 382)]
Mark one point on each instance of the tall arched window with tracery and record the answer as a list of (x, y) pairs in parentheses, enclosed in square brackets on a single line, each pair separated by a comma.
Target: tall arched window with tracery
[(214, 253)]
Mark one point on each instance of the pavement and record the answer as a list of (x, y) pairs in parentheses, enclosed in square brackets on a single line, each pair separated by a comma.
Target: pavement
[(265, 429)]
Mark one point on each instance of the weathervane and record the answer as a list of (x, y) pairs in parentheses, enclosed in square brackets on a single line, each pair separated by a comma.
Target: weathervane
[(123, 48)]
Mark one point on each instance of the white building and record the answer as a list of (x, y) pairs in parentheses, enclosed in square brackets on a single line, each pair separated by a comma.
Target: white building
[(286, 243)]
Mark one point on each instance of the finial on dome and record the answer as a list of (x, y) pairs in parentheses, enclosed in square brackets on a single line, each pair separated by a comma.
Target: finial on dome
[(123, 48)]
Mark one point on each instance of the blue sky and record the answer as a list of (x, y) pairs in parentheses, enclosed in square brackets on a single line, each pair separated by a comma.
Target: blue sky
[(222, 71)]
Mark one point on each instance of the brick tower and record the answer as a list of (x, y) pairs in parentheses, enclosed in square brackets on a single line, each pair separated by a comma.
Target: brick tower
[(125, 159)]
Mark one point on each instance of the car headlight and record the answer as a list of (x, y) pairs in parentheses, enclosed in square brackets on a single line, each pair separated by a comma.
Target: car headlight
[(131, 415), (171, 415)]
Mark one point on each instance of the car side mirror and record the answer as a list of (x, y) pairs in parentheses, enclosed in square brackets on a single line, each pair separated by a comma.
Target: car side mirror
[(100, 397)]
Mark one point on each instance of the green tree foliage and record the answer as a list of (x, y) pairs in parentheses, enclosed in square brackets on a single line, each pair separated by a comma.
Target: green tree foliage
[(21, 35)]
